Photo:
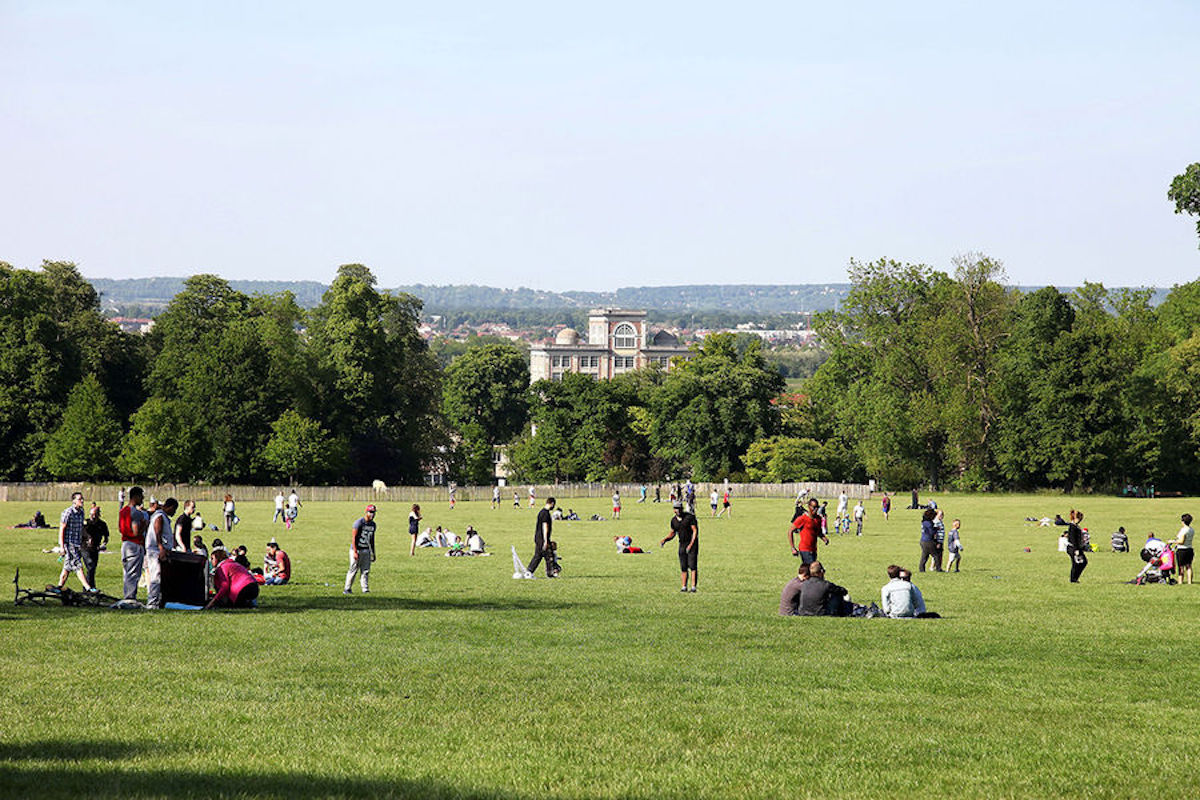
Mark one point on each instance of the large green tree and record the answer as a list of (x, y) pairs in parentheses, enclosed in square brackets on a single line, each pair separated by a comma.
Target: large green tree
[(484, 399), (377, 385), (301, 450), (85, 445), (711, 407)]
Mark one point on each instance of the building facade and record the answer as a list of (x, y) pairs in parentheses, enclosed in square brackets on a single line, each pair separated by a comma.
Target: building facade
[(618, 341)]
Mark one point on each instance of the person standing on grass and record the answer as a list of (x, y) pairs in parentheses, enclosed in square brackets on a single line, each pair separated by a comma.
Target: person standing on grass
[(70, 542), (885, 505), (516, 499), (843, 504), (495, 497), (131, 522), (809, 525), (616, 506), (532, 496), (713, 500), (362, 550), (685, 528), (1183, 549), (414, 522), (182, 539), (954, 545), (452, 489), (929, 548), (278, 507), (95, 537), (158, 542), (1075, 549), (859, 514), (541, 538), (230, 512)]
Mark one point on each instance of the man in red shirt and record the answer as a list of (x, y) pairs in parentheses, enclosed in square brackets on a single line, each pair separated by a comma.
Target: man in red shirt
[(809, 525)]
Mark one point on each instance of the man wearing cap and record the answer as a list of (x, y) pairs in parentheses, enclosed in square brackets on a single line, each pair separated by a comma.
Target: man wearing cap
[(281, 566), (362, 549), (684, 525)]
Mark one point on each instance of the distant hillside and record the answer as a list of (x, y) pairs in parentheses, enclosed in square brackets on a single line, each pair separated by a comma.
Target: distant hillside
[(157, 292), (154, 293)]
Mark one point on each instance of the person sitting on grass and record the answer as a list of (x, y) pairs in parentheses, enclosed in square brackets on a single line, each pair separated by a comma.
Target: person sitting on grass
[(241, 557), (821, 598), (906, 575), (789, 599), (899, 598), (625, 545), (474, 541), (235, 586), (1120, 541), (281, 571), (425, 539)]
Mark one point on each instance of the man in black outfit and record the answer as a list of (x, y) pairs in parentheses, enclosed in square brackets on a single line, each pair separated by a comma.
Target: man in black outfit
[(683, 525), (541, 539), (1075, 548)]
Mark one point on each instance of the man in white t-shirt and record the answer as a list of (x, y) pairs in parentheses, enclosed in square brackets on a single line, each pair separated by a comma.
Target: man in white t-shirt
[(278, 506)]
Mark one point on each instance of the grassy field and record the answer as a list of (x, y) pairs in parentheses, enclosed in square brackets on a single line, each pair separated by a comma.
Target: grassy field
[(451, 679)]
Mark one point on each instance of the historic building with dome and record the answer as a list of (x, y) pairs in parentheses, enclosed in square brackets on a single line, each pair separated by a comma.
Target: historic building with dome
[(618, 341)]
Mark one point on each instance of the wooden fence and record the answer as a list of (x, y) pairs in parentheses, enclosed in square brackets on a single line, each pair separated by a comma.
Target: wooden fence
[(107, 492)]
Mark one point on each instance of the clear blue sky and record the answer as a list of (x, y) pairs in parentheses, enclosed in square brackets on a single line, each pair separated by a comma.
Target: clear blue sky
[(620, 144)]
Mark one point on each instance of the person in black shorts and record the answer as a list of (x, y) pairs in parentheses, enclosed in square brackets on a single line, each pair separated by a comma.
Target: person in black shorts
[(683, 526), (541, 539)]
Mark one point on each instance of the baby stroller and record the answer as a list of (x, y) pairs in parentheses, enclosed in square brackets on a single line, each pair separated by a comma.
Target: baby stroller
[(1159, 569)]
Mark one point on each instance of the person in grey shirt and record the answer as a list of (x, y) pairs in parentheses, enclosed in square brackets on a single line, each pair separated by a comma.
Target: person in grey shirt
[(789, 600), (899, 598)]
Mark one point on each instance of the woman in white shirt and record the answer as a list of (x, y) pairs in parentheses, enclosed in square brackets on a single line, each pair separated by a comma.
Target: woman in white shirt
[(1183, 549)]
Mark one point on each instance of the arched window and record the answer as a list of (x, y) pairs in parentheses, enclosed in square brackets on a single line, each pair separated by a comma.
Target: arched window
[(624, 337)]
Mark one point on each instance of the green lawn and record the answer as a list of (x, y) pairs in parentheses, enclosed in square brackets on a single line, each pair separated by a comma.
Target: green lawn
[(451, 679)]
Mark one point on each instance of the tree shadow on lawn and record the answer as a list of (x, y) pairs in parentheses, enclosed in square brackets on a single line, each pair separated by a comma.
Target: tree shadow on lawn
[(54, 769)]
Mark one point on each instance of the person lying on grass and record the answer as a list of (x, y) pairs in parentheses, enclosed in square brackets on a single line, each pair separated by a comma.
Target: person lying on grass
[(235, 586)]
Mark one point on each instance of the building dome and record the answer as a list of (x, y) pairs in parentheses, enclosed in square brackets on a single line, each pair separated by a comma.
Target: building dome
[(567, 336)]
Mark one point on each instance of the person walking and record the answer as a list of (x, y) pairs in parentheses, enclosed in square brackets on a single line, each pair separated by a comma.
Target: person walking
[(685, 528), (230, 512), (809, 525), (278, 507), (362, 550), (885, 505), (929, 546), (293, 509), (95, 537), (1183, 549), (414, 522), (541, 538), (131, 522), (726, 504), (1075, 548), (70, 542), (495, 497)]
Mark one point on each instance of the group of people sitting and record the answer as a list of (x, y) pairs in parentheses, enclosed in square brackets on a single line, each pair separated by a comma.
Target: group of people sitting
[(809, 594), (469, 544)]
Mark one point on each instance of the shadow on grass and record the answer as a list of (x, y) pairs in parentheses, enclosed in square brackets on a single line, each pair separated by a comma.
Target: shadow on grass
[(375, 602), (51, 769)]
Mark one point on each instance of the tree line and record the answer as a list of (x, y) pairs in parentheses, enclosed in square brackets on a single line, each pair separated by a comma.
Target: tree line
[(951, 380)]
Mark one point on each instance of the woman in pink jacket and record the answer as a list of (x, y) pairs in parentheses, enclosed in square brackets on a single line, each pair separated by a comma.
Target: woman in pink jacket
[(234, 584)]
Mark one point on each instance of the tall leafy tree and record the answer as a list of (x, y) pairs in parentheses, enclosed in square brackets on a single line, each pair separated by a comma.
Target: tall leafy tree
[(377, 384), (301, 450), (484, 399), (710, 408), (85, 445), (166, 441)]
